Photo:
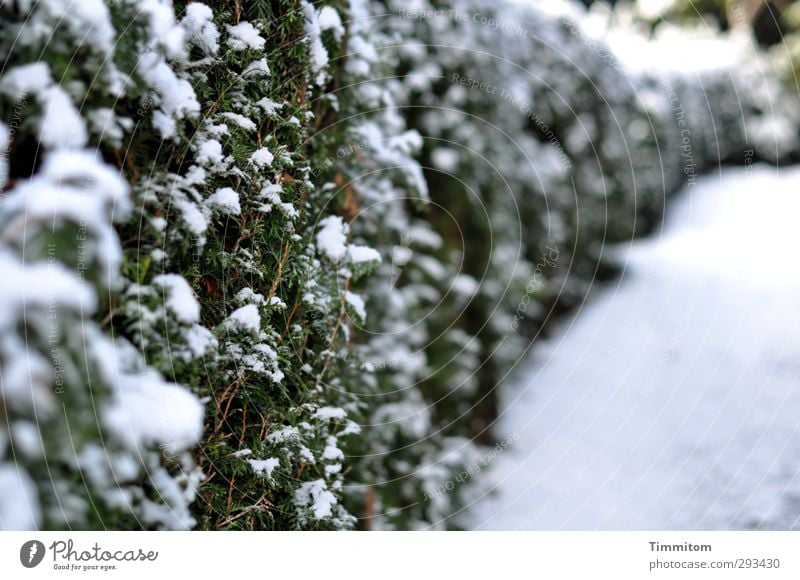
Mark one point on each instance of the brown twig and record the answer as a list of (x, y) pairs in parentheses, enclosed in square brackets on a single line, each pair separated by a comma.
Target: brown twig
[(247, 510), (369, 507), (230, 495), (277, 280), (289, 319), (342, 312), (227, 394), (244, 425)]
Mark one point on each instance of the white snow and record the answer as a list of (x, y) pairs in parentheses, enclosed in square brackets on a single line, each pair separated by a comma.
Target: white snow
[(357, 302), (318, 54), (226, 200), (332, 451), (328, 413), (163, 26), (257, 67), (264, 467), (270, 107), (244, 35), (289, 210), (62, 124), (216, 130), (401, 255), (200, 28), (240, 120), (670, 400), (88, 20), (74, 186), (27, 439), (315, 495), (652, 9), (272, 192), (194, 218), (246, 318), (329, 20), (360, 254), (175, 96), (446, 159), (284, 434), (104, 122), (158, 223), (28, 79), (676, 49), (180, 298), (352, 428), (36, 285), (248, 295), (210, 152), (200, 340), (332, 238), (147, 410), (267, 350), (19, 508), (262, 157), (465, 285)]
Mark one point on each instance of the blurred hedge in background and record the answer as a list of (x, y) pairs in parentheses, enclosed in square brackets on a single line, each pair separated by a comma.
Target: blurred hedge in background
[(268, 262)]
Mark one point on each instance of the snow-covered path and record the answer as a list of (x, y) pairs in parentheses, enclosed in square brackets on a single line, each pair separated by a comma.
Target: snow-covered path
[(672, 399)]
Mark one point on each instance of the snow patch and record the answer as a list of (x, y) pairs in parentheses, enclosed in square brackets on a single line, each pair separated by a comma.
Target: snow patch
[(262, 157), (361, 254), (264, 467), (226, 200), (315, 495), (332, 238), (180, 298), (246, 318), (200, 28), (243, 36)]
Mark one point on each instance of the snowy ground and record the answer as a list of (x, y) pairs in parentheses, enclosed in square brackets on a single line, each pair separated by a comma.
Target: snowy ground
[(672, 399)]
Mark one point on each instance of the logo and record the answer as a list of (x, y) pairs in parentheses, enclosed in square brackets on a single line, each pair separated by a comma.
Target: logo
[(31, 553)]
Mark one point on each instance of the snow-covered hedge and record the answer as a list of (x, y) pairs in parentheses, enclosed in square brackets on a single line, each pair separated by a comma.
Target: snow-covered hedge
[(95, 434), (265, 262)]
